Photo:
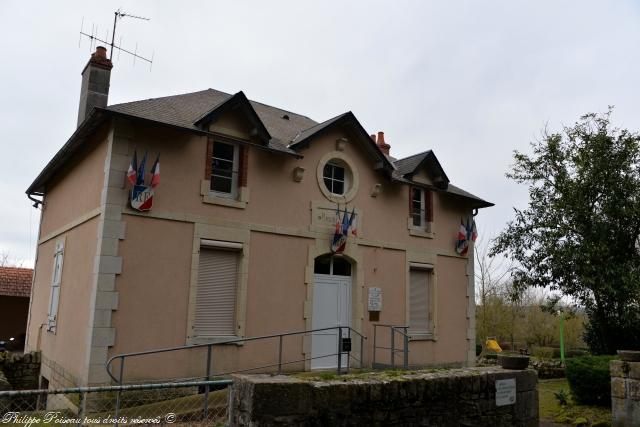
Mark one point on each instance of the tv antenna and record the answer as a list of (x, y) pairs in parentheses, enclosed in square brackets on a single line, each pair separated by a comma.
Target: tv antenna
[(93, 37)]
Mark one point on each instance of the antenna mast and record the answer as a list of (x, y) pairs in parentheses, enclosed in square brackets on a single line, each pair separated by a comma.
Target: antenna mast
[(118, 14)]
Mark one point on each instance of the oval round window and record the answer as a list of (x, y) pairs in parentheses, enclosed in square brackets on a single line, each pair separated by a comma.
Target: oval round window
[(337, 177)]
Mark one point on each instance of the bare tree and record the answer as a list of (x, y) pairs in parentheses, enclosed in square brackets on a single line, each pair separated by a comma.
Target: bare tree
[(491, 278), (4, 259)]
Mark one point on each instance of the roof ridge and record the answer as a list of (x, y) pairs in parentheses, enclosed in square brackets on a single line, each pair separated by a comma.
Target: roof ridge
[(213, 90), (169, 96), (316, 125), (7, 267), (282, 109), (413, 155)]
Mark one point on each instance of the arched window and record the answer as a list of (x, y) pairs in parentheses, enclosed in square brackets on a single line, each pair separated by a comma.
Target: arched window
[(333, 265)]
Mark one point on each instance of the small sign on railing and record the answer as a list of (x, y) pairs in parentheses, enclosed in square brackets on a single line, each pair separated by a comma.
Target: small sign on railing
[(346, 345)]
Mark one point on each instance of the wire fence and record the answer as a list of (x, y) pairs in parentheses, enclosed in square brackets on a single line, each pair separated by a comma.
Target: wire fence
[(194, 403)]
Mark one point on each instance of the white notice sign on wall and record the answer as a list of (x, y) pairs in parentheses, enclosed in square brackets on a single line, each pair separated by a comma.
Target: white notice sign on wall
[(505, 392), (375, 299)]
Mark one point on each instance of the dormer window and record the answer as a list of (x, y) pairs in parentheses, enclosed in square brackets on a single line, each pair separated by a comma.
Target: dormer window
[(420, 211), (418, 207), (224, 169), (226, 172), (336, 177)]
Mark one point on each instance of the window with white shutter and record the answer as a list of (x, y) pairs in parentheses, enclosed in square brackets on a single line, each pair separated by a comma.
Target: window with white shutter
[(419, 301), (420, 208), (215, 311), (56, 280)]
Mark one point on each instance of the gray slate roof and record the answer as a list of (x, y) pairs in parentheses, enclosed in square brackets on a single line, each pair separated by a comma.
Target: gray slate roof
[(409, 164), (304, 134), (185, 110)]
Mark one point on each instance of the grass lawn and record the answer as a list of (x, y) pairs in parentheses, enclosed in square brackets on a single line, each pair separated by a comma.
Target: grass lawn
[(571, 414)]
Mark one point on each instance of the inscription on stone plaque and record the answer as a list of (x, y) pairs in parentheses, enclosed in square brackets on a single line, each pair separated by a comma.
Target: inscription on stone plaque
[(323, 217), (505, 392), (375, 299)]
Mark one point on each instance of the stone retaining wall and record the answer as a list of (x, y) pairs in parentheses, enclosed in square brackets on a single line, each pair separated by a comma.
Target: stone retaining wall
[(456, 397), (5, 402), (21, 370), (625, 393)]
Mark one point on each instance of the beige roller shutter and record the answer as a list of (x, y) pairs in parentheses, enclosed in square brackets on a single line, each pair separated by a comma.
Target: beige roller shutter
[(216, 294), (419, 301)]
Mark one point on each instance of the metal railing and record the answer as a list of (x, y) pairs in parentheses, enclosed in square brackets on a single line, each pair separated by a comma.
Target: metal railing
[(209, 355), (209, 346), (403, 331), (146, 404)]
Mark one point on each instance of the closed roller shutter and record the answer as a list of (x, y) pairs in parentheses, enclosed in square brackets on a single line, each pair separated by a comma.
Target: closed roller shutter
[(419, 301), (216, 295)]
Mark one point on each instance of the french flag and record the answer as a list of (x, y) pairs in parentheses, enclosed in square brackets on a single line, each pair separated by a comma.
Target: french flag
[(462, 244), (140, 178), (132, 171), (462, 231), (155, 173), (353, 223), (474, 231)]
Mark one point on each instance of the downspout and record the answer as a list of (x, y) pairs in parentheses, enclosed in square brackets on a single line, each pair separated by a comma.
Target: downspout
[(36, 203), (33, 278)]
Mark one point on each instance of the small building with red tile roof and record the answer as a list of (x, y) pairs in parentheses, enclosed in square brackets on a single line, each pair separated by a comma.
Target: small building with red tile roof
[(15, 289)]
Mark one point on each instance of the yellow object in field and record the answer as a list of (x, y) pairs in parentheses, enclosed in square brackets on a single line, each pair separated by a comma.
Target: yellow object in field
[(493, 345)]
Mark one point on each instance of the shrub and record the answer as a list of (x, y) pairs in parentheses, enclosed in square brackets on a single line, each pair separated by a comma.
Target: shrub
[(543, 352), (589, 379), (576, 353), (562, 397)]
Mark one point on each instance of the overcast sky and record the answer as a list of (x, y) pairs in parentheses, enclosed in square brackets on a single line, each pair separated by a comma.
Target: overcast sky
[(471, 80)]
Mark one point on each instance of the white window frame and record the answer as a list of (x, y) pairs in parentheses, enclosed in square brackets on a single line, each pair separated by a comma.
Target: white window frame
[(56, 281), (345, 181), (235, 167), (428, 331), (426, 217), (423, 210)]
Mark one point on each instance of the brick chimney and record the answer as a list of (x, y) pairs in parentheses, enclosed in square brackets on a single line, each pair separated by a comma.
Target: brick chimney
[(94, 91), (381, 144)]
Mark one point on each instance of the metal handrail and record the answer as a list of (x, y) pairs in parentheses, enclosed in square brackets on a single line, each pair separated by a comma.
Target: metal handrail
[(396, 327), (125, 387), (123, 356), (393, 329), (210, 346)]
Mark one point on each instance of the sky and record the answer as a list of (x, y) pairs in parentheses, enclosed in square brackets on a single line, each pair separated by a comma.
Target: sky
[(471, 80)]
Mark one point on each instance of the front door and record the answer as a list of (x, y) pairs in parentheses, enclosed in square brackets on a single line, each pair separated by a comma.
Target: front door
[(331, 308)]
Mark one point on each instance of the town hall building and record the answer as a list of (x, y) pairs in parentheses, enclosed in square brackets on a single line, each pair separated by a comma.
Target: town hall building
[(207, 217)]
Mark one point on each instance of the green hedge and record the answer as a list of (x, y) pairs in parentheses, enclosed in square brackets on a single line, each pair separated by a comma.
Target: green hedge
[(589, 379)]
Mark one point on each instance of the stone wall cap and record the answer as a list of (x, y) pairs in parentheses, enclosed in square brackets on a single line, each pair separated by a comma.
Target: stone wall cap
[(383, 377)]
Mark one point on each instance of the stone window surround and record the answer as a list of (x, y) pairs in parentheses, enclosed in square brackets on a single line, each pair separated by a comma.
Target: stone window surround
[(235, 169), (214, 232), (241, 199), (423, 261), (355, 180), (213, 198), (425, 231)]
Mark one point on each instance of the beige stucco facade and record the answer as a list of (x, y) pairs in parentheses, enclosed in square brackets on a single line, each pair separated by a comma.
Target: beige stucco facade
[(129, 278)]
